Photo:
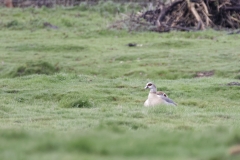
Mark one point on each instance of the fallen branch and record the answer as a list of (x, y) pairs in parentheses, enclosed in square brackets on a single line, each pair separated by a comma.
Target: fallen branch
[(189, 15)]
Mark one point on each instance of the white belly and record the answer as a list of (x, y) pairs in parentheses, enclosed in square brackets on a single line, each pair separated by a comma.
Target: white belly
[(146, 103)]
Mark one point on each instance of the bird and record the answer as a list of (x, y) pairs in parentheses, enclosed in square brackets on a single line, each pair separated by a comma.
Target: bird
[(160, 93), (156, 97)]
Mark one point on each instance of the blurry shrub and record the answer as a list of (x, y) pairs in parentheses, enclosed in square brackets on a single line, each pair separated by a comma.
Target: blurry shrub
[(74, 100), (39, 67), (67, 22), (12, 23), (36, 23), (80, 103)]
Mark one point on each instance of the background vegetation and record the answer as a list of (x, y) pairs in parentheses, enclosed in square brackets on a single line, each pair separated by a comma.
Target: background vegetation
[(73, 89)]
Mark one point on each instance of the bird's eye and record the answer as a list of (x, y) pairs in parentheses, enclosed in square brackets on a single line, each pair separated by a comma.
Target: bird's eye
[(164, 95), (149, 84)]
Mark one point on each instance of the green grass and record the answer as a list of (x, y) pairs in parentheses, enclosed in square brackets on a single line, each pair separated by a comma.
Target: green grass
[(76, 92)]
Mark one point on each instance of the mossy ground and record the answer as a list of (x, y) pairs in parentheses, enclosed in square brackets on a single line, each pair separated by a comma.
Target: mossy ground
[(76, 92)]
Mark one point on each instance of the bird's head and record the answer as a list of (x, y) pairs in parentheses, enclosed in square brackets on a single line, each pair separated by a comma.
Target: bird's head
[(151, 86)]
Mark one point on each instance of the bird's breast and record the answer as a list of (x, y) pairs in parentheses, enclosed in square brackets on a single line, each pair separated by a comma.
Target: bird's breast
[(153, 100)]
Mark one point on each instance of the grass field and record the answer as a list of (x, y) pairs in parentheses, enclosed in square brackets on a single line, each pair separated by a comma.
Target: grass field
[(76, 92)]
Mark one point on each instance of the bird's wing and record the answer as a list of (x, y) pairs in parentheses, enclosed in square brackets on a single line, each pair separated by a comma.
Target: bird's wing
[(160, 93)]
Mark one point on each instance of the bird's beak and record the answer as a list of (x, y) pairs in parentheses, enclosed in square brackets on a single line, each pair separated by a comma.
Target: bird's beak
[(146, 87)]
